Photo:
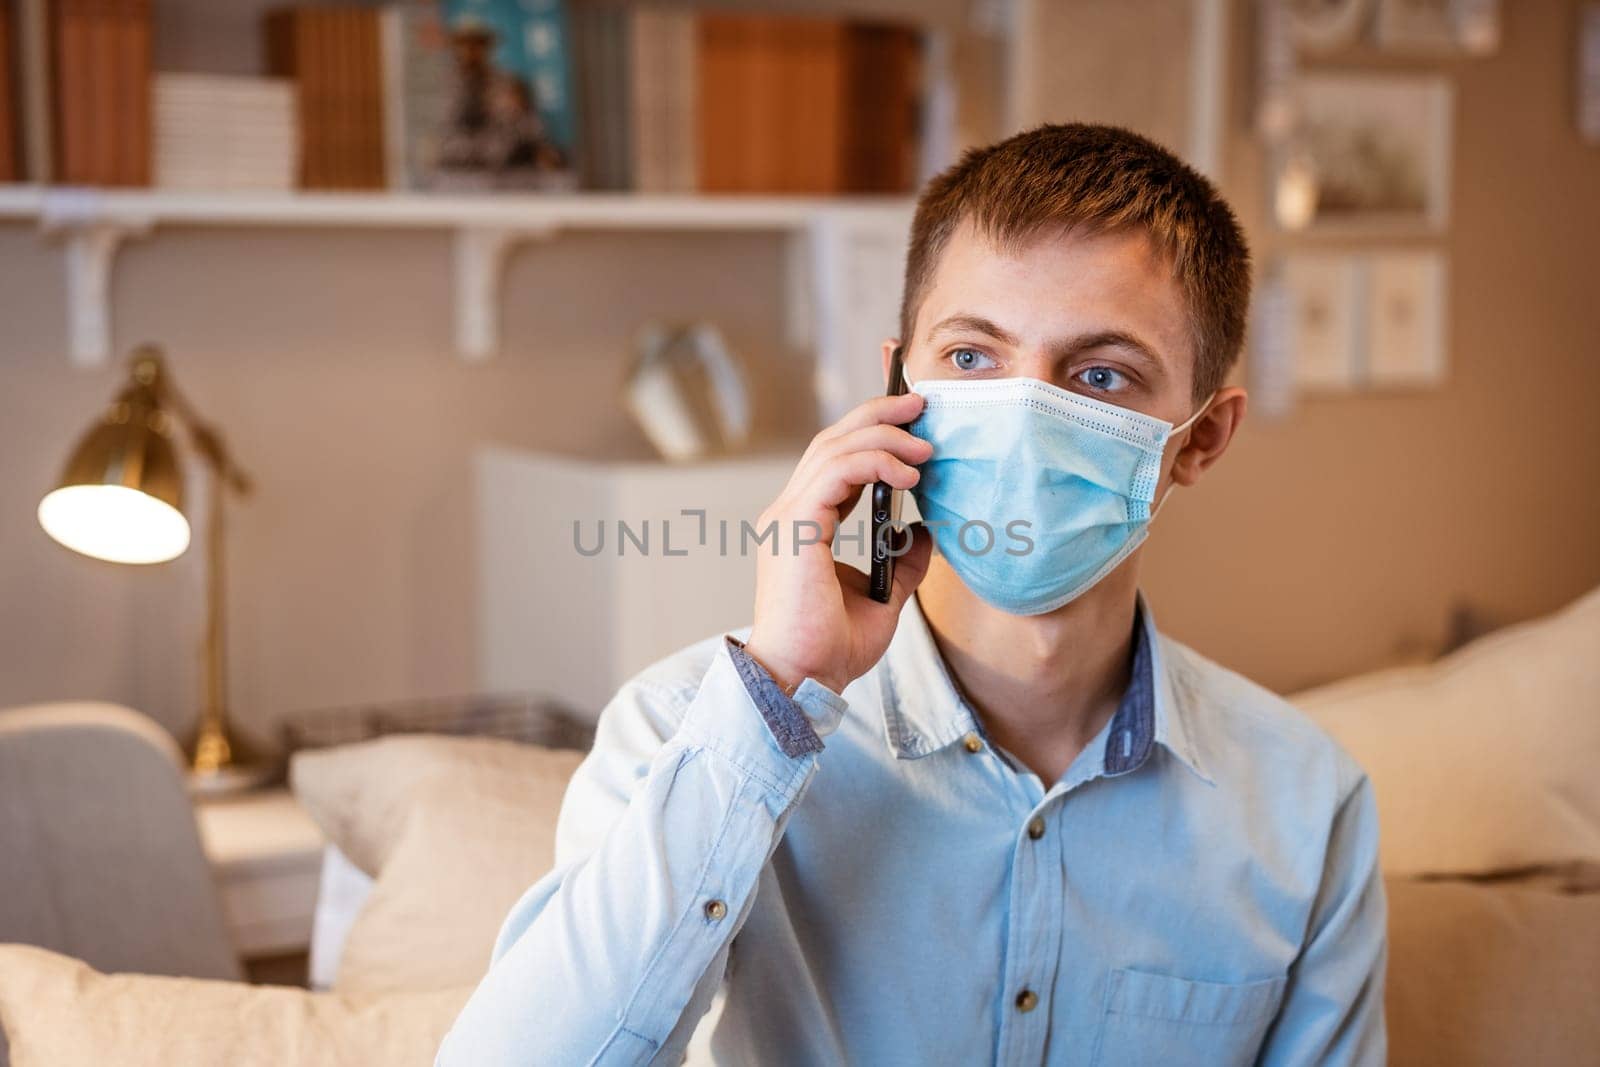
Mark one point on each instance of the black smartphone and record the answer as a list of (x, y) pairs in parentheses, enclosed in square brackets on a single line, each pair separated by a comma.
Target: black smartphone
[(886, 506)]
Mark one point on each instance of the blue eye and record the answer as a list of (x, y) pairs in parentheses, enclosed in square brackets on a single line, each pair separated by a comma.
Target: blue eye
[(1104, 379), (970, 359)]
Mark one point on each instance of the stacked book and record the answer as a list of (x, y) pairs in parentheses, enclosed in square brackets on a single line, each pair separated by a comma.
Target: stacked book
[(218, 132), (679, 100)]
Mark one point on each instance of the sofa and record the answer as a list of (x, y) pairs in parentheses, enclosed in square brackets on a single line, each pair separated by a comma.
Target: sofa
[(1482, 762)]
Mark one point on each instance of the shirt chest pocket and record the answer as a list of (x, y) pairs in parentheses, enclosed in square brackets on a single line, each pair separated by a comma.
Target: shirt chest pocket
[(1156, 1019)]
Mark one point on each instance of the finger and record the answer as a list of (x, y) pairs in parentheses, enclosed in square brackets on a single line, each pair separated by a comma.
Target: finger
[(893, 410), (901, 409), (844, 476), (848, 504), (881, 436)]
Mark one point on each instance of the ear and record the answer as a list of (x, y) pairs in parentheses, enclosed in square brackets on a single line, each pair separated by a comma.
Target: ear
[(1210, 436), (889, 344)]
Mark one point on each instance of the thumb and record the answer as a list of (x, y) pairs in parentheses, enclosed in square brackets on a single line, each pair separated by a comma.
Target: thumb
[(911, 568)]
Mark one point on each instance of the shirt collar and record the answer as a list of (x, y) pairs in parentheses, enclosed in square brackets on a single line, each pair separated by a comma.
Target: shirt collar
[(924, 712)]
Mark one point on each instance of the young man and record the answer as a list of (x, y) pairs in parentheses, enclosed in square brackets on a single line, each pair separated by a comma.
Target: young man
[(1003, 820)]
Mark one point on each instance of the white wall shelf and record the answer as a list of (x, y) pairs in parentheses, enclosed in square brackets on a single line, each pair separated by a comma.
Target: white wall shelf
[(92, 224)]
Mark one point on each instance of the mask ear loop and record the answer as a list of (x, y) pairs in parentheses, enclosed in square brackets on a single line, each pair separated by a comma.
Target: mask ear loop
[(1176, 430)]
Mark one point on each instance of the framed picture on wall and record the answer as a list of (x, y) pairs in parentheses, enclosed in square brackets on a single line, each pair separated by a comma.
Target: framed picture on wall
[(1588, 81), (1441, 26), (1405, 319), (1323, 312), (1373, 152), (1359, 321), (1322, 25)]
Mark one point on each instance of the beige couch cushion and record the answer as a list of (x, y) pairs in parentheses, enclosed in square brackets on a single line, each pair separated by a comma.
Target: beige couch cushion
[(1484, 760), (1491, 976), (57, 1011), (455, 830), (361, 794)]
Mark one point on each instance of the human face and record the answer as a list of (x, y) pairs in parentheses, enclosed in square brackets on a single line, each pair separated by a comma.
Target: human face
[(1096, 314), (1100, 315)]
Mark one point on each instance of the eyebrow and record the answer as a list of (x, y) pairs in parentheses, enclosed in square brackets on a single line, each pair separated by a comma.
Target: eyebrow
[(1060, 349)]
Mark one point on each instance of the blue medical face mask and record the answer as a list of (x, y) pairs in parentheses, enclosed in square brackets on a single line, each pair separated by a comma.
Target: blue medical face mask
[(1035, 493)]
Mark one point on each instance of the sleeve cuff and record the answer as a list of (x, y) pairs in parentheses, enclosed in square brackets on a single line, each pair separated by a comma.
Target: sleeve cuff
[(797, 723)]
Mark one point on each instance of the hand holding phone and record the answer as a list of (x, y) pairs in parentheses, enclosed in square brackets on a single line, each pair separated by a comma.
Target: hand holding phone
[(816, 616)]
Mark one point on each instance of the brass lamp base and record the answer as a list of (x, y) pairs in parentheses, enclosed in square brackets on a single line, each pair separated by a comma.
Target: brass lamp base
[(212, 749), (221, 767), (229, 781)]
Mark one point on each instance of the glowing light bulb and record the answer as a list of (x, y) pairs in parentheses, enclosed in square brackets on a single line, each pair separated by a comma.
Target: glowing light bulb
[(1295, 198), (115, 523)]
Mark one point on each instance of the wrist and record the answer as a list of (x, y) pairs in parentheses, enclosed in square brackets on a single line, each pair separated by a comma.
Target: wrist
[(787, 674)]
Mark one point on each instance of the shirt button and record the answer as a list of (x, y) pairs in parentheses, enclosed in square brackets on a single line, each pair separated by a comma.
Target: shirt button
[(1027, 1000), (715, 910), (1036, 827), (973, 743)]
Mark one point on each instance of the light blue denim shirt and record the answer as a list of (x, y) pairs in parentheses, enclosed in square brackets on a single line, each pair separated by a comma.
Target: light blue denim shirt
[(870, 881)]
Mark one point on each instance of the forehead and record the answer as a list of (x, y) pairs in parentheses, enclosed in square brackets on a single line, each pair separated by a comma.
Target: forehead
[(1063, 284)]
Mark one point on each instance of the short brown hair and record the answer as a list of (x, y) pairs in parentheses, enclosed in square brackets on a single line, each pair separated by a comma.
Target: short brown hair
[(1059, 177)]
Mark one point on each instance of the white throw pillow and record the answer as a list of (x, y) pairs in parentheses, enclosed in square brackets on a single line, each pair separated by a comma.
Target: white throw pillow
[(361, 794), (1485, 760), (58, 1011), (454, 829), (469, 850)]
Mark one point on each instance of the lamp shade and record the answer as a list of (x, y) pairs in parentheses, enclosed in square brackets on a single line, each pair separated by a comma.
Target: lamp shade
[(120, 497)]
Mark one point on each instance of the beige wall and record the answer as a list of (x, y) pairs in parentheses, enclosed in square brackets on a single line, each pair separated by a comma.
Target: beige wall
[(1330, 542), (326, 357), (1343, 536)]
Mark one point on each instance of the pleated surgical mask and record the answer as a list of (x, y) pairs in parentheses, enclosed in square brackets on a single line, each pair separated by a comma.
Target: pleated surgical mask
[(1035, 493)]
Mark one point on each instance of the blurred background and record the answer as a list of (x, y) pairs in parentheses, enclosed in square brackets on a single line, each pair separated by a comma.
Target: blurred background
[(446, 277)]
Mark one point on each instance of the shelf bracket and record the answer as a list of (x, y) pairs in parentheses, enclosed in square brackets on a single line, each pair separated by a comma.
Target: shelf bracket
[(480, 260), (90, 237)]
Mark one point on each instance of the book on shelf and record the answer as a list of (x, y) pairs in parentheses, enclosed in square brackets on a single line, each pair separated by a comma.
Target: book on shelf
[(135, 59), (678, 99), (884, 100), (10, 149), (807, 105), (224, 132), (661, 95), (509, 120), (418, 73), (477, 95), (35, 120), (602, 41), (82, 91), (332, 55)]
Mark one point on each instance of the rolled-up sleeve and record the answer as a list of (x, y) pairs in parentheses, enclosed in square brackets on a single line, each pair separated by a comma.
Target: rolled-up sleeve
[(1333, 1006), (613, 956)]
